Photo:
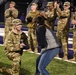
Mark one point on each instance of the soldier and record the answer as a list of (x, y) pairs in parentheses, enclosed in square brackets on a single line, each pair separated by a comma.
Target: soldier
[(63, 26), (14, 44), (31, 27), (50, 15), (74, 34), (10, 14)]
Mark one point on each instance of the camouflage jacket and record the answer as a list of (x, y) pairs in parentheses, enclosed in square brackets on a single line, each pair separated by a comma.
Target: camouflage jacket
[(63, 19), (33, 15), (13, 40), (74, 18), (50, 17), (9, 17), (30, 25)]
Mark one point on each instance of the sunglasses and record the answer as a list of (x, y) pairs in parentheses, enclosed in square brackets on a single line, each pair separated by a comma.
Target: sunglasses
[(66, 5)]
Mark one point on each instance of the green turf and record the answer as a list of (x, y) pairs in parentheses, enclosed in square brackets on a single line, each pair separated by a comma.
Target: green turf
[(56, 67)]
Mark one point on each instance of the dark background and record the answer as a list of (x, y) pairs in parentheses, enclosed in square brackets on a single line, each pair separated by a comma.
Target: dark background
[(22, 5)]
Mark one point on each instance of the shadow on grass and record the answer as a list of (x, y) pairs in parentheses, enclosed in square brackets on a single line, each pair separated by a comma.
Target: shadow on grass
[(22, 71)]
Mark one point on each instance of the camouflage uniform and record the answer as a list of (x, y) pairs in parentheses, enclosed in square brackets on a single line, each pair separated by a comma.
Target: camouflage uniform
[(9, 16), (50, 16), (31, 29), (74, 36), (63, 28), (13, 50)]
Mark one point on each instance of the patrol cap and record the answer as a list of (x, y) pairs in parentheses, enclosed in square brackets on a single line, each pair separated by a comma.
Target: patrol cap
[(17, 22), (12, 2), (50, 4), (34, 4), (67, 3)]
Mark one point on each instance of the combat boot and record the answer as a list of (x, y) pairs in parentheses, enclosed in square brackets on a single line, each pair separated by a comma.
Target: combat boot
[(34, 74), (73, 59), (57, 55), (1, 69), (15, 74), (65, 58), (36, 50), (30, 50)]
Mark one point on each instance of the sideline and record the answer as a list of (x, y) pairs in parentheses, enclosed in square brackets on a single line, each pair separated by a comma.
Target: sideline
[(55, 57), (70, 61)]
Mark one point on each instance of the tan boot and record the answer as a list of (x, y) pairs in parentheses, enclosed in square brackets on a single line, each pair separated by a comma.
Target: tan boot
[(65, 58), (36, 50), (34, 74), (5, 70), (57, 55), (15, 74), (1, 69), (29, 50), (73, 59)]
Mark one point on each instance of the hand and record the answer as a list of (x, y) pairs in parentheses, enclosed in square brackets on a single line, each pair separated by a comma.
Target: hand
[(22, 45), (58, 5), (73, 22), (55, 4), (29, 19), (10, 13), (42, 13)]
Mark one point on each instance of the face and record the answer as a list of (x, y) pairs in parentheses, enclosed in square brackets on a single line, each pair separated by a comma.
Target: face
[(50, 7), (66, 7), (11, 5), (33, 7), (18, 27)]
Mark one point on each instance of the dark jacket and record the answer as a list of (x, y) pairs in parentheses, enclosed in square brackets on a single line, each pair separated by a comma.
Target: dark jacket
[(46, 38)]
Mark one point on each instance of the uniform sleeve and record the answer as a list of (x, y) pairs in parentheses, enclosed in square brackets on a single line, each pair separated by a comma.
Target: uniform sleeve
[(38, 14), (63, 14), (7, 14), (28, 15), (41, 36), (53, 18), (10, 45), (73, 17), (15, 13)]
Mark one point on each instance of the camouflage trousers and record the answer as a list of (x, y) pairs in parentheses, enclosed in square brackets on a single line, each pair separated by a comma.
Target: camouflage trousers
[(16, 63), (32, 36), (74, 42), (8, 28), (63, 38)]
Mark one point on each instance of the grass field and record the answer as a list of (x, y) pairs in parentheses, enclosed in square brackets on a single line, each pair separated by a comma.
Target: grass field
[(56, 67)]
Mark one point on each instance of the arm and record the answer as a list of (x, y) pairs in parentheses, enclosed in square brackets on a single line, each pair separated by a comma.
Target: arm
[(7, 13), (74, 22), (41, 38), (27, 16), (53, 18), (63, 14), (15, 13), (10, 45), (73, 19)]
